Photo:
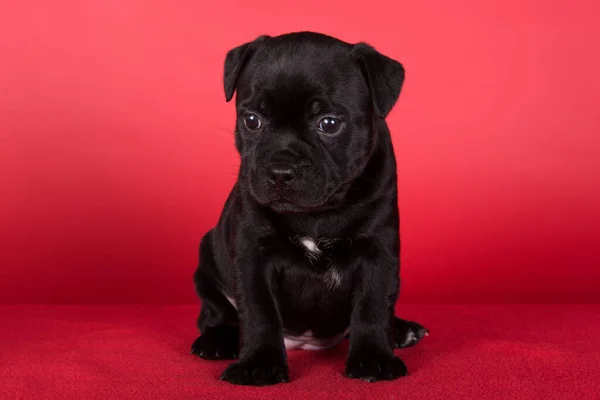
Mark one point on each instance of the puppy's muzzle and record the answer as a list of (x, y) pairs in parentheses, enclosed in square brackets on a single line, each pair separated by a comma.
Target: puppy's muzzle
[(282, 168)]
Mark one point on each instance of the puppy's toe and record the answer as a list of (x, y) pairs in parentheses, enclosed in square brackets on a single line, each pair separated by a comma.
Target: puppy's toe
[(256, 373), (408, 333), (375, 367), (220, 343)]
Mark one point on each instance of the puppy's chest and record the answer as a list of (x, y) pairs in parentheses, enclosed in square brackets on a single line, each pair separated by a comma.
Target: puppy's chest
[(327, 259), (314, 287)]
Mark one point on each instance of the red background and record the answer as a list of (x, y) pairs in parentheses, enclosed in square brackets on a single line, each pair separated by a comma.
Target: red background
[(116, 144)]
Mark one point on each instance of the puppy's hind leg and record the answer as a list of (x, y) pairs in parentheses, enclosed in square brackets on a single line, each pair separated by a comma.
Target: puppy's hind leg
[(218, 320), (407, 333)]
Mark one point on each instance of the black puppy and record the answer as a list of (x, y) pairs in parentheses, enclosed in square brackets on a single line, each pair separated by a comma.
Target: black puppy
[(307, 248)]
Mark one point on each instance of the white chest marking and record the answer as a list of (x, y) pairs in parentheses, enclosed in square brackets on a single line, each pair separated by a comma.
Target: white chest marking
[(333, 279), (311, 247), (232, 301)]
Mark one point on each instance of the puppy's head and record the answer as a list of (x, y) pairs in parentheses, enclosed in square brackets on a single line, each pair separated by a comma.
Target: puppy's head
[(306, 107)]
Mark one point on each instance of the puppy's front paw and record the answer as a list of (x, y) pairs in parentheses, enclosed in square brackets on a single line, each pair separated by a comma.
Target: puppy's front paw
[(257, 372), (374, 366), (219, 343)]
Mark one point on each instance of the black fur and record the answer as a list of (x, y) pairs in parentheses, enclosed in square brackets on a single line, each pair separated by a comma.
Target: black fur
[(339, 189)]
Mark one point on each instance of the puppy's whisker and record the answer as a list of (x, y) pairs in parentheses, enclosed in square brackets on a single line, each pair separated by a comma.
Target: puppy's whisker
[(224, 129)]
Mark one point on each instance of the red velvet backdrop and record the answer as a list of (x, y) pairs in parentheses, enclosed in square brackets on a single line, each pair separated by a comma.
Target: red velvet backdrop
[(116, 144)]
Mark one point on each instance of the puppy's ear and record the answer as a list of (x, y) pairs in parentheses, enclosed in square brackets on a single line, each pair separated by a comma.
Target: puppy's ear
[(384, 77), (234, 64)]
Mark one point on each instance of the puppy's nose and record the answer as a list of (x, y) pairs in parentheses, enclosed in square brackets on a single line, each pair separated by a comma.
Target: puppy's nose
[(281, 174)]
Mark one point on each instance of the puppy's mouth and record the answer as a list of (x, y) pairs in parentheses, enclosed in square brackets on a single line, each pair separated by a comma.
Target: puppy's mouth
[(284, 203), (282, 200), (286, 199), (283, 206)]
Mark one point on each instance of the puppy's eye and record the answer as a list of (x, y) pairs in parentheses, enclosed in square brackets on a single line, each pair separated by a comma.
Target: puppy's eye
[(252, 122), (330, 125)]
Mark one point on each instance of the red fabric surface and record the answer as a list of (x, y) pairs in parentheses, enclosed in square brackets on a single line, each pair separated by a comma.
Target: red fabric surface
[(141, 352)]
